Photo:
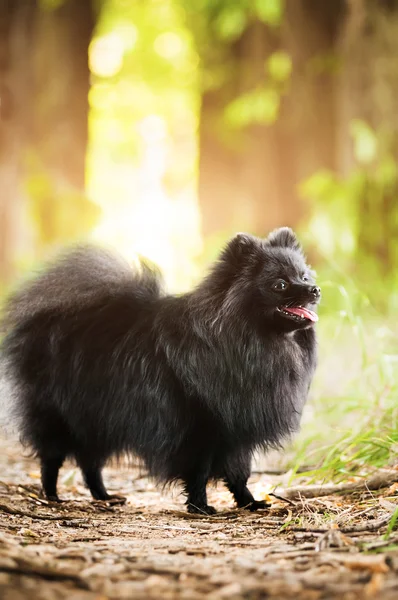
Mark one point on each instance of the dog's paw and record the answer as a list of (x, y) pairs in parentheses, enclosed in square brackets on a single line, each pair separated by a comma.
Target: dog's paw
[(201, 510), (257, 505), (113, 499), (53, 498)]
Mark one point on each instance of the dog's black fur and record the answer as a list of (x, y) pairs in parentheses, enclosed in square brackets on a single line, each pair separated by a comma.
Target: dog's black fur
[(103, 363)]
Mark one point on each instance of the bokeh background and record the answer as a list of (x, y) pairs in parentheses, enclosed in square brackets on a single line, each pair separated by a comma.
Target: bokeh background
[(161, 127)]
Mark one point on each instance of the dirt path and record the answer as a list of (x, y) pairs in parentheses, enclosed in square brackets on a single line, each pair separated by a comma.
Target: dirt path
[(151, 548)]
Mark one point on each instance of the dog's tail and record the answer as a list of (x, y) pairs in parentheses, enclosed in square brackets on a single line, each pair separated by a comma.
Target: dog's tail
[(79, 277)]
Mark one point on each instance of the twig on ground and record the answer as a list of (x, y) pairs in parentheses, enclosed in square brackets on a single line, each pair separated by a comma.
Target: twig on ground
[(378, 480), (282, 499), (27, 513), (271, 471), (370, 525)]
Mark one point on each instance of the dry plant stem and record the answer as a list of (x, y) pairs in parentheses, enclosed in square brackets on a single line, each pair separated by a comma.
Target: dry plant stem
[(371, 525), (380, 479), (27, 513)]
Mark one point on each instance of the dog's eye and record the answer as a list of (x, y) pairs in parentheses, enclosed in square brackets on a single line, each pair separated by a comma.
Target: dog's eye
[(280, 285), (305, 277)]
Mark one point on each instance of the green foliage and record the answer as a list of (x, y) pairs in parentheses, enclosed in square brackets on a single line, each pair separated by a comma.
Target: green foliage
[(392, 524), (353, 219), (279, 66), (261, 104), (257, 106), (231, 22), (354, 396), (218, 25), (365, 142), (50, 4), (58, 214), (269, 11)]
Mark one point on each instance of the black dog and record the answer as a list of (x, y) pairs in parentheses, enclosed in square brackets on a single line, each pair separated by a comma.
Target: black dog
[(103, 363)]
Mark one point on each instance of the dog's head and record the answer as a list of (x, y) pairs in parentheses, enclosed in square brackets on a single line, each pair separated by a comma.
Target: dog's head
[(269, 279)]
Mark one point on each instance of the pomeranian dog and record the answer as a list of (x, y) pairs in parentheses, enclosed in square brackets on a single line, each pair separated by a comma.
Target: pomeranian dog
[(103, 364)]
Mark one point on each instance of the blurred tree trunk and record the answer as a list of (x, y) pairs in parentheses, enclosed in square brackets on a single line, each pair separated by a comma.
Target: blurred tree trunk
[(251, 182), (237, 183), (15, 97), (59, 124), (231, 191), (44, 85), (62, 83), (308, 117), (368, 90)]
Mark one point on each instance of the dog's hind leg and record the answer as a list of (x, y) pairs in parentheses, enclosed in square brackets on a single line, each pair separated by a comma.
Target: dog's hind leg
[(50, 466), (49, 437), (237, 468), (92, 474), (195, 488), (93, 479)]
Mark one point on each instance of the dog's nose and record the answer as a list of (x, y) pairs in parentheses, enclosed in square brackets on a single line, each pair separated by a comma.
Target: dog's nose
[(315, 291)]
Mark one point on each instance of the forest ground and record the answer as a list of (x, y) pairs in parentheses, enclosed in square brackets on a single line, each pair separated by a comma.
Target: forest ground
[(328, 546)]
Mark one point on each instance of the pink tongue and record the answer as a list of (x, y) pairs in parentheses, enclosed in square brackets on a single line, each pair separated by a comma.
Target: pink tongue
[(304, 312)]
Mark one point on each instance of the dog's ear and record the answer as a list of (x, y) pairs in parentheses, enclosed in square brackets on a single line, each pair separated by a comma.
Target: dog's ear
[(241, 246), (284, 237)]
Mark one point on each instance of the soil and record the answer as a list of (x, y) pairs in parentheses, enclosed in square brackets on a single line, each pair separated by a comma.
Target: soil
[(341, 546)]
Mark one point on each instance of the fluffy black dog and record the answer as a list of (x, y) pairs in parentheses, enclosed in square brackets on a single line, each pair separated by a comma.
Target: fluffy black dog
[(102, 363)]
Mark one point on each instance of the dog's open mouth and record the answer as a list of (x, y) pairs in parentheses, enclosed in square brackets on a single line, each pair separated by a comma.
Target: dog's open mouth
[(298, 313)]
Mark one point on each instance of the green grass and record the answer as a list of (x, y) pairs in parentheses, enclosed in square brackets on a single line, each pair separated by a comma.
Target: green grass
[(351, 424), (392, 524)]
